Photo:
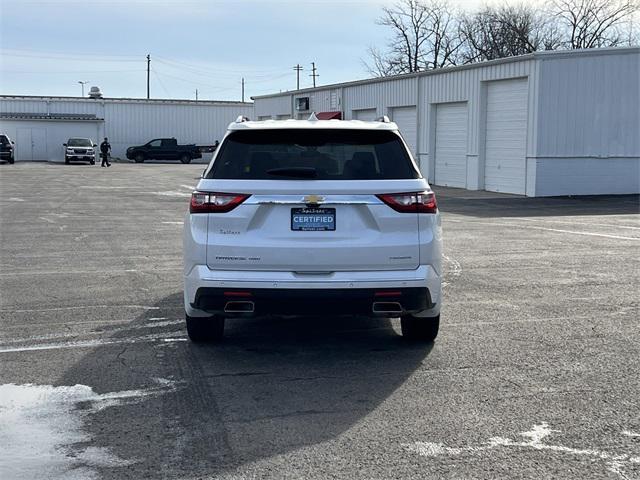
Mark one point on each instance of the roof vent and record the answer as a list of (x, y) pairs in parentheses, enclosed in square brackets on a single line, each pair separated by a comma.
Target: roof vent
[(242, 119), (383, 119), (312, 117), (95, 92)]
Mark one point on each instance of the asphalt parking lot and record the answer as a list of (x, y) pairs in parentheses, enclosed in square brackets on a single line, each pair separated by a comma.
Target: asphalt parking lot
[(534, 374)]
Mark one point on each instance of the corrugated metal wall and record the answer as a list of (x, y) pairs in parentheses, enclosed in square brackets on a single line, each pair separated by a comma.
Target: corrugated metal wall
[(273, 106), (382, 95), (130, 123), (608, 124), (588, 132), (581, 106), (465, 85)]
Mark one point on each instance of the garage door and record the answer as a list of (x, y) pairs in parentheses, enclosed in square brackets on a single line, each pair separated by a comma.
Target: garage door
[(451, 145), (369, 115), (405, 117), (506, 136)]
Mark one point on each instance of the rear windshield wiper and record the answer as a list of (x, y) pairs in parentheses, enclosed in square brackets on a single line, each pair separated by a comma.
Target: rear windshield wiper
[(298, 172)]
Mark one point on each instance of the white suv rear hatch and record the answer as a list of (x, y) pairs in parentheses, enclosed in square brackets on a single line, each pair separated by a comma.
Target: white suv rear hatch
[(308, 202)]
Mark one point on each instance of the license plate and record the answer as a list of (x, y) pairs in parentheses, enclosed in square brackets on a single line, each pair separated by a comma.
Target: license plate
[(313, 219)]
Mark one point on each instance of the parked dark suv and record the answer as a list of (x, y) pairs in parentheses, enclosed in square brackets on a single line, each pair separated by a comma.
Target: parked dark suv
[(164, 149), (7, 152)]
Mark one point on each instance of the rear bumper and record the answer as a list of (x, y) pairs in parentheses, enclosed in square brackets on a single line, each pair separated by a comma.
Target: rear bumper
[(356, 301), (290, 293)]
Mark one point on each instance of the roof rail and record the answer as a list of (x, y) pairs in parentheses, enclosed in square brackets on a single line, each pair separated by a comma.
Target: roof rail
[(242, 119), (383, 119)]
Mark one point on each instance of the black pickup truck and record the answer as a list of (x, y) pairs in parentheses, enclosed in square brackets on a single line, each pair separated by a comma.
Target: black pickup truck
[(164, 149)]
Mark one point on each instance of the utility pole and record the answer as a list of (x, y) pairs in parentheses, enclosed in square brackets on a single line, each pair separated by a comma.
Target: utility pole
[(148, 73), (196, 94), (83, 83), (314, 74), (243, 90), (298, 69)]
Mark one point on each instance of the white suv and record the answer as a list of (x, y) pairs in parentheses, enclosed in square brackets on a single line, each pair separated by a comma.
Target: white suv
[(312, 217)]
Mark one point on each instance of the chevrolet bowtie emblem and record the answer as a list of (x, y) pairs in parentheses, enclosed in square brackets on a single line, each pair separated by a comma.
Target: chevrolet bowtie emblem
[(313, 199)]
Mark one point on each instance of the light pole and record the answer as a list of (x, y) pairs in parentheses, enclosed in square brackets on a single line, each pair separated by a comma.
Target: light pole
[(82, 83)]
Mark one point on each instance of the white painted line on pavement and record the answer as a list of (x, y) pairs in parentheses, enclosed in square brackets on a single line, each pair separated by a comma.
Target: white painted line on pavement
[(545, 220), (532, 227), (87, 272), (86, 343), (615, 463), (55, 309)]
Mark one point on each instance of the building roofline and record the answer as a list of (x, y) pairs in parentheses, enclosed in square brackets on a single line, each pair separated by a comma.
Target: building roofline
[(126, 100), (543, 55)]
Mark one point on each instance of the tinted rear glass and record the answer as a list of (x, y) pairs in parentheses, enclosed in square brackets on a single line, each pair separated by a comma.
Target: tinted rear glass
[(327, 154)]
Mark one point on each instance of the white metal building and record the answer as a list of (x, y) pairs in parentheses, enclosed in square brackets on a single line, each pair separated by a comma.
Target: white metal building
[(40, 125), (548, 123)]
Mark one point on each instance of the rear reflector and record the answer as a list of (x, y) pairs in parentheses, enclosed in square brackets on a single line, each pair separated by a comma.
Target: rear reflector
[(237, 294), (388, 293), (212, 202), (411, 202)]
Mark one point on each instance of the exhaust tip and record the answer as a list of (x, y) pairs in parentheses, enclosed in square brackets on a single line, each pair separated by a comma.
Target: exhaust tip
[(387, 307), (239, 307)]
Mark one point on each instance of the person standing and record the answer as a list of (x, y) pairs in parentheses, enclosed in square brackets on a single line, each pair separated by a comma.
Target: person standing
[(105, 151)]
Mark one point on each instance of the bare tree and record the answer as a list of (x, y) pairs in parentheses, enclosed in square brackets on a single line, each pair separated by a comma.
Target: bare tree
[(506, 31), (424, 36), (597, 23)]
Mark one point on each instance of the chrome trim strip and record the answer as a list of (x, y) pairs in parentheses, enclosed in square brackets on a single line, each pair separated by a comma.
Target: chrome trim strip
[(299, 200)]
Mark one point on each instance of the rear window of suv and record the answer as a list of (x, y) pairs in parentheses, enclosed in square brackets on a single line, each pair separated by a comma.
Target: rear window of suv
[(294, 154)]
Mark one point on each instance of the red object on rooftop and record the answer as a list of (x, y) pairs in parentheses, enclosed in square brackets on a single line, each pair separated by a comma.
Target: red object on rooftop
[(329, 116)]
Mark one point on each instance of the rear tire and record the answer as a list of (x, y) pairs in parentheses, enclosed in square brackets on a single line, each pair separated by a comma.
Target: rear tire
[(11, 161), (205, 329), (139, 158), (420, 329), (186, 158)]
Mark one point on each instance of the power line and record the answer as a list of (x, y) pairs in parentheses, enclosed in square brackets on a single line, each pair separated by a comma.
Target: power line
[(161, 83), (70, 58), (214, 70), (69, 72)]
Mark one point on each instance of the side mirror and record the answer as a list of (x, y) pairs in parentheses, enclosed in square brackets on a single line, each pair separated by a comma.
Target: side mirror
[(95, 145), (12, 142), (64, 144)]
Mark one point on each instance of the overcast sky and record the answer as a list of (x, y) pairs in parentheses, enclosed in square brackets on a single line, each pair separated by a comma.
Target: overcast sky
[(47, 46)]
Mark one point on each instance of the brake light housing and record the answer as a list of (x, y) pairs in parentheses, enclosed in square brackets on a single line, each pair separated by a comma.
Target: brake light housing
[(411, 202), (214, 202)]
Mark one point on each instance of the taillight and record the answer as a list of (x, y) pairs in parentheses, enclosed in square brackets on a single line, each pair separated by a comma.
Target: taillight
[(210, 202), (411, 202)]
